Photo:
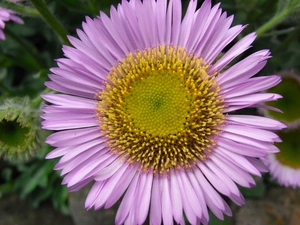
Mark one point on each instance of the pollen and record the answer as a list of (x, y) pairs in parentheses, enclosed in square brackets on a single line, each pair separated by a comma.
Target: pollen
[(160, 108)]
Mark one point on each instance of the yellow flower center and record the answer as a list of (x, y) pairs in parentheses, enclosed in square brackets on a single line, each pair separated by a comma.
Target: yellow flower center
[(158, 104), (161, 109)]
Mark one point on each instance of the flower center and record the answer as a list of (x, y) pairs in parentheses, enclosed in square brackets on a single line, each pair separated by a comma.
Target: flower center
[(161, 109), (289, 154), (158, 104), (12, 133)]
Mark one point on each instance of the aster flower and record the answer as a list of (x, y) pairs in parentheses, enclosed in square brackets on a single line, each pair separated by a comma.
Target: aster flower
[(7, 15), (285, 165), (144, 108)]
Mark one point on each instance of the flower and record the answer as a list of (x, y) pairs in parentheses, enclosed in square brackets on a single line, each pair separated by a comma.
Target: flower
[(144, 112), (20, 135), (7, 15), (284, 166)]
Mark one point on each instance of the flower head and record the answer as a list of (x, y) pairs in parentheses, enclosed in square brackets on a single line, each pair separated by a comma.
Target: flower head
[(20, 134), (7, 15), (284, 166), (144, 112)]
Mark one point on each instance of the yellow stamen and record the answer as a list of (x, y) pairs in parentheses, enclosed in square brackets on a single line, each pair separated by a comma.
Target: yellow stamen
[(160, 108)]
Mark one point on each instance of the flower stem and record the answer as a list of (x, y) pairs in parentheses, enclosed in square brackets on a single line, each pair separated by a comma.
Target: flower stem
[(273, 21), (50, 19), (20, 8), (290, 7)]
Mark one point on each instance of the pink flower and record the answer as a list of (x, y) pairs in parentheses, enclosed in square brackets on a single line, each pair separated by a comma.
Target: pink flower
[(284, 174), (144, 108), (284, 166), (7, 15)]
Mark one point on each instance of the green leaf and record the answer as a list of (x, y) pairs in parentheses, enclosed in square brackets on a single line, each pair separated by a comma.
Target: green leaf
[(6, 174), (40, 195), (5, 188), (33, 177), (60, 198)]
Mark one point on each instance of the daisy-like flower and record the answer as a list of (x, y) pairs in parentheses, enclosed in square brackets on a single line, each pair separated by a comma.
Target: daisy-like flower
[(7, 15), (284, 166), (144, 112)]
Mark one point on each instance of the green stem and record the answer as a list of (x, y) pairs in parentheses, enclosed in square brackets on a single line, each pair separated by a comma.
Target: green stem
[(31, 51), (20, 8), (50, 19), (273, 21)]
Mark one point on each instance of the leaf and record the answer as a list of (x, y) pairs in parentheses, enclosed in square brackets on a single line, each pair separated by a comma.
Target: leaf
[(60, 198), (33, 177), (5, 188), (40, 195)]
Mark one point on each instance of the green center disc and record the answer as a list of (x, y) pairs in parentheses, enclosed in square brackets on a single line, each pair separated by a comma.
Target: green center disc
[(158, 104), (289, 154), (160, 108), (289, 104), (12, 133)]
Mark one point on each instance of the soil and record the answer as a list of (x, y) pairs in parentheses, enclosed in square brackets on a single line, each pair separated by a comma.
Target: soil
[(14, 211)]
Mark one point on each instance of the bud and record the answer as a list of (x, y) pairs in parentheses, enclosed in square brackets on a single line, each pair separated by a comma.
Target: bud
[(19, 131)]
